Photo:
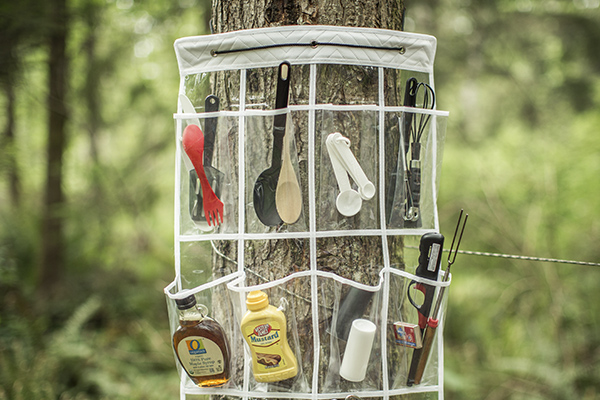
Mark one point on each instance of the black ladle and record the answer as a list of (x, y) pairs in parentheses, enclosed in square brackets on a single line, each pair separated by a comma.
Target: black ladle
[(266, 183)]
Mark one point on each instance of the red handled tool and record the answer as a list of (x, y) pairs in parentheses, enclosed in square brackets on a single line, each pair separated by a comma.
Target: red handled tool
[(193, 144), (433, 321), (430, 258)]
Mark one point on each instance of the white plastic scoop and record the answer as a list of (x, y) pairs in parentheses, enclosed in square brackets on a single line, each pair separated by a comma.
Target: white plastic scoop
[(349, 201), (188, 108)]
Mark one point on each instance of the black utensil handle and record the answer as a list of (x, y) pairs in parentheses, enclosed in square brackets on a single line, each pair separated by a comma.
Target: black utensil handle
[(211, 104), (283, 85), (352, 306), (430, 260), (281, 101), (195, 198), (414, 183), (430, 255), (410, 100)]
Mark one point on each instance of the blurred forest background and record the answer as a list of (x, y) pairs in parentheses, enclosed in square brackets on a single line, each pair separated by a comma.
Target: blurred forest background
[(521, 79)]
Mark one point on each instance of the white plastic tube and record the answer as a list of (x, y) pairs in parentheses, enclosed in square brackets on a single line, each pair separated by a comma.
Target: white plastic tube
[(358, 350)]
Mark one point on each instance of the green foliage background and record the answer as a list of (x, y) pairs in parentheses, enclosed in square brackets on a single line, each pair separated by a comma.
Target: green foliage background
[(521, 79)]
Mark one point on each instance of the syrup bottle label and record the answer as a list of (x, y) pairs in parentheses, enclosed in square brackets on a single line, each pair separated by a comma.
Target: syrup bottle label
[(200, 356)]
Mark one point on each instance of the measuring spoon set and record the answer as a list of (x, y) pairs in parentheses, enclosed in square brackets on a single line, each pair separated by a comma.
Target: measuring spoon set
[(349, 201)]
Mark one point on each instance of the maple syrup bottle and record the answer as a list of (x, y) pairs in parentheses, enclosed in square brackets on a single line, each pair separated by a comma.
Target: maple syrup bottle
[(201, 345)]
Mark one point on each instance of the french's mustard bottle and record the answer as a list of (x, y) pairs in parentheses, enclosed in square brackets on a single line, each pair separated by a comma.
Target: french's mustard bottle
[(264, 328)]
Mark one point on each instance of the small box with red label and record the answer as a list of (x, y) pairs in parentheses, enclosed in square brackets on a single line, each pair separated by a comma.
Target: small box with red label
[(408, 335)]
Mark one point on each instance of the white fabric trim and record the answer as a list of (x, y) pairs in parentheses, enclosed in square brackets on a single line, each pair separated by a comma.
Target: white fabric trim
[(194, 53)]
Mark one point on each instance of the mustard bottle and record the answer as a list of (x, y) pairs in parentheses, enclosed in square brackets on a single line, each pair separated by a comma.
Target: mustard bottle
[(264, 328)]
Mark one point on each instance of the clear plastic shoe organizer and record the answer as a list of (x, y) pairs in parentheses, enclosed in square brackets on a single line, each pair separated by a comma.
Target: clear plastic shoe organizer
[(228, 86)]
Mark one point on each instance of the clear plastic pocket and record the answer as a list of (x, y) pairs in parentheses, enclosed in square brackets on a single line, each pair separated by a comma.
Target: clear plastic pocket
[(276, 195), (206, 296), (347, 195), (278, 337), (350, 336), (413, 182), (262, 266), (216, 210), (223, 84), (405, 341), (206, 261)]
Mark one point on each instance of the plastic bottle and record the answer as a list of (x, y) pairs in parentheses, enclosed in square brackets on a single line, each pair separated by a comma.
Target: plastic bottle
[(264, 328), (201, 345)]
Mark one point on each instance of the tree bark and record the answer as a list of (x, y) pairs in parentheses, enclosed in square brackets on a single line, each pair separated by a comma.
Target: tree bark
[(8, 145), (52, 257), (92, 15), (356, 258)]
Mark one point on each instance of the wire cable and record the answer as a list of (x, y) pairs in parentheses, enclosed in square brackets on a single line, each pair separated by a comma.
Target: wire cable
[(527, 258)]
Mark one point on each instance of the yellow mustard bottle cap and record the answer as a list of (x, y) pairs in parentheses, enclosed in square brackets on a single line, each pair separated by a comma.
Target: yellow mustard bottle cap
[(257, 300)]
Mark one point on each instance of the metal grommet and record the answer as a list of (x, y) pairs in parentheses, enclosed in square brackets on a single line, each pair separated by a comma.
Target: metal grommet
[(314, 44), (213, 53), (402, 50)]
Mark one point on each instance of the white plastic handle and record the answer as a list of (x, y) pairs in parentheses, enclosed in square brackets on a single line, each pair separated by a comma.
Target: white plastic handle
[(338, 169), (348, 201), (188, 108), (342, 147)]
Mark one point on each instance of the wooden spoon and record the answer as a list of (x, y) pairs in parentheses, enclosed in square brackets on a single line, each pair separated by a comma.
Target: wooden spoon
[(288, 198)]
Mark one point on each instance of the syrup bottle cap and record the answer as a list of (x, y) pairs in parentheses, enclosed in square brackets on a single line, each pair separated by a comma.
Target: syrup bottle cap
[(185, 303)]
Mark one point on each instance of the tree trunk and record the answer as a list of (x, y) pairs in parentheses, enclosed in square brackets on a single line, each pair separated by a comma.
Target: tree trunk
[(8, 145), (356, 258), (52, 258), (92, 15)]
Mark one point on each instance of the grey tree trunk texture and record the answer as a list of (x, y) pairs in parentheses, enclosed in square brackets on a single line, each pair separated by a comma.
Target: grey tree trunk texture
[(356, 258)]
